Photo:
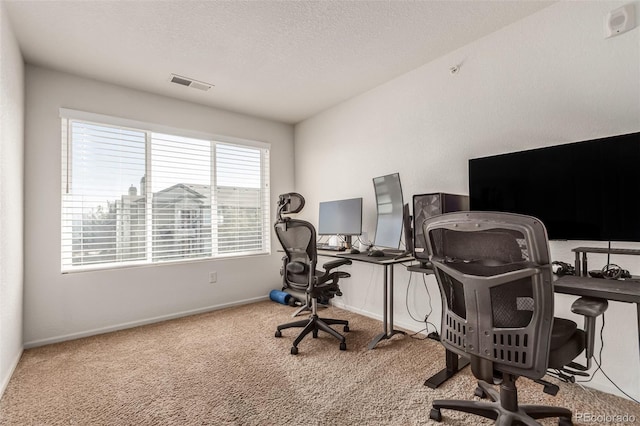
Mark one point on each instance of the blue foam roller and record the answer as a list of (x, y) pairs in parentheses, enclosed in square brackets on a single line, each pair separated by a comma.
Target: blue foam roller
[(279, 296)]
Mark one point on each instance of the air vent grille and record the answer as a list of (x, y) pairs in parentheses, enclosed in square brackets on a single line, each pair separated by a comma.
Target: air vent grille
[(190, 82)]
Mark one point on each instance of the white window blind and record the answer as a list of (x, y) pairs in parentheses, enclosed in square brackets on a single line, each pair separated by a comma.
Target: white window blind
[(181, 197), (240, 204), (134, 196)]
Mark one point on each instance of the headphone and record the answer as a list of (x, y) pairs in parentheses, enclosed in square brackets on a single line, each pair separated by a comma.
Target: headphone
[(562, 268), (614, 272)]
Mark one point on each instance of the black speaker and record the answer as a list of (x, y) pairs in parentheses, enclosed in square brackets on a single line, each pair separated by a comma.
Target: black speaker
[(426, 206)]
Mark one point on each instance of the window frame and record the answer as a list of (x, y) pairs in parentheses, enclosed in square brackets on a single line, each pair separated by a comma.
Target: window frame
[(68, 116)]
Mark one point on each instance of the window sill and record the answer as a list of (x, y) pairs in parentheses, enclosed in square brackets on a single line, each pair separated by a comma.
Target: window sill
[(111, 266)]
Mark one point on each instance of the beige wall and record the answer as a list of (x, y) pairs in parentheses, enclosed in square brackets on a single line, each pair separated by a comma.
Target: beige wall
[(11, 198), (58, 306)]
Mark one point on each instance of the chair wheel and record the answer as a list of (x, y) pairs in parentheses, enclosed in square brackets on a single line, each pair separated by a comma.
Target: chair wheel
[(294, 350), (343, 346), (479, 392), (278, 333), (435, 414), (346, 328), (315, 334), (563, 421)]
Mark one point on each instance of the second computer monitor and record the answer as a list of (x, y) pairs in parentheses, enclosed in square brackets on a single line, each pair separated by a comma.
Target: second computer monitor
[(341, 217), (389, 203)]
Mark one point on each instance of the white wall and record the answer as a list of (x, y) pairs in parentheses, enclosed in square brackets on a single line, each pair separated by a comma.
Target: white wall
[(549, 79), (11, 198), (60, 306)]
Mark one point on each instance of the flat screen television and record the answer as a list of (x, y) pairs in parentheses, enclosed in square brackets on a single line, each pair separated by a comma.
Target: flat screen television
[(586, 190), (389, 205), (341, 217)]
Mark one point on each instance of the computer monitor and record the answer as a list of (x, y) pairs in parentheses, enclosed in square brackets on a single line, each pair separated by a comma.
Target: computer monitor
[(389, 204), (341, 217)]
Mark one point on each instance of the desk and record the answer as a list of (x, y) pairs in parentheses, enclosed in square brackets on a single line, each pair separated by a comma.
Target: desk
[(387, 261), (617, 290), (453, 363)]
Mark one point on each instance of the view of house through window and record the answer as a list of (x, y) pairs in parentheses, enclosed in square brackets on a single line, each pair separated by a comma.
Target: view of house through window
[(134, 196)]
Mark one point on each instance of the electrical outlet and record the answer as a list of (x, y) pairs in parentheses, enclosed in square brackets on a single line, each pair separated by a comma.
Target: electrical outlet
[(213, 277)]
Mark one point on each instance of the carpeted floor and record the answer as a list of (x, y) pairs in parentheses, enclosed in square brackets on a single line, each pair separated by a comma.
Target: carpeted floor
[(226, 367)]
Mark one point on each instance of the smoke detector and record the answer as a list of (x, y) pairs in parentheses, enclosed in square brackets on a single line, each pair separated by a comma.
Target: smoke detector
[(190, 82)]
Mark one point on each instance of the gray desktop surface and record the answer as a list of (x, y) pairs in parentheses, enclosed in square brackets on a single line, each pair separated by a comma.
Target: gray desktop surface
[(386, 259), (618, 290)]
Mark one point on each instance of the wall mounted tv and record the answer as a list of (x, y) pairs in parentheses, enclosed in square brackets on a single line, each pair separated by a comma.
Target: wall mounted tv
[(581, 191)]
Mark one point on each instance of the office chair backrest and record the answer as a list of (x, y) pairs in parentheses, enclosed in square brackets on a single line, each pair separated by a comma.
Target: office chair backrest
[(298, 239), (494, 275)]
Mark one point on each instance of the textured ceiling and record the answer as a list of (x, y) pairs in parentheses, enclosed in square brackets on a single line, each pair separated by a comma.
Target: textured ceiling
[(282, 60)]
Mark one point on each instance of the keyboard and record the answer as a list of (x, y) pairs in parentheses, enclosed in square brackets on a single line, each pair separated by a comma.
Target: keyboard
[(330, 248)]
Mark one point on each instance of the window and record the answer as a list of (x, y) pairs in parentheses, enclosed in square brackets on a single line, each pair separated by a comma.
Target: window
[(132, 195)]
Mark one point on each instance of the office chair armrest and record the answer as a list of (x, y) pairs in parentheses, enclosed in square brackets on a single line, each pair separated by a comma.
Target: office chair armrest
[(336, 263), (589, 306), (335, 276)]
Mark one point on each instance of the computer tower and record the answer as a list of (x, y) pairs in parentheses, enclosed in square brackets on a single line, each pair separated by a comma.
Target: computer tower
[(429, 205)]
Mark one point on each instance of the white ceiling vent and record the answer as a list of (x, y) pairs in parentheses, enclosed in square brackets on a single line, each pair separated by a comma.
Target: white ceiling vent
[(190, 82)]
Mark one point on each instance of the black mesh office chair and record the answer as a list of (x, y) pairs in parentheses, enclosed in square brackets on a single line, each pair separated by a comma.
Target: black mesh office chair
[(495, 279), (298, 239)]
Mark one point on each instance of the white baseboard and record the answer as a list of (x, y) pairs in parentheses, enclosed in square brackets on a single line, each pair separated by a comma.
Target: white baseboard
[(602, 384), (415, 327), (5, 380), (122, 326)]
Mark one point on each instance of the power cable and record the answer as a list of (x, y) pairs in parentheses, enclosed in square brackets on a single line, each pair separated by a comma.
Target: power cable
[(599, 364), (426, 317)]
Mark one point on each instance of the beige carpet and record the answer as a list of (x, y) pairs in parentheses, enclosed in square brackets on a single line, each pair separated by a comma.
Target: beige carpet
[(226, 367)]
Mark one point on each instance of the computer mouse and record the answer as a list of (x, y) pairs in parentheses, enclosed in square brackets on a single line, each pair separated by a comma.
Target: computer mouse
[(376, 253), (354, 251)]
